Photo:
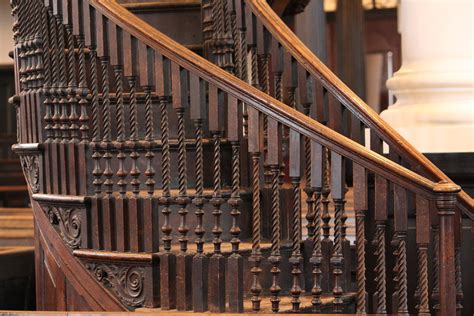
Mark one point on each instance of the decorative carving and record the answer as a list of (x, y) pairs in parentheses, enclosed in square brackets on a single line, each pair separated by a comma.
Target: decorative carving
[(30, 166), (126, 281), (68, 221)]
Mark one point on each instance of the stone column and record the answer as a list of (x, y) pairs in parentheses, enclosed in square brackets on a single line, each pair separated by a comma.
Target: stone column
[(435, 85)]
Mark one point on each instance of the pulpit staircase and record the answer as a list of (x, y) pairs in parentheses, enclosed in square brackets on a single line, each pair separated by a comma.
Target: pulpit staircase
[(166, 181)]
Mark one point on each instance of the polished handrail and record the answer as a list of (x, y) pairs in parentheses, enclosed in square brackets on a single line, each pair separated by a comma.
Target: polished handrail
[(356, 105), (262, 101)]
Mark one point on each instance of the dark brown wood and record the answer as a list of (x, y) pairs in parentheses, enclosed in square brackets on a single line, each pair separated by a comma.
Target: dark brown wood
[(203, 156)]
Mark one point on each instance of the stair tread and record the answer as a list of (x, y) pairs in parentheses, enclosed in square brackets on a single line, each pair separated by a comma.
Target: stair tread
[(16, 233), (266, 305)]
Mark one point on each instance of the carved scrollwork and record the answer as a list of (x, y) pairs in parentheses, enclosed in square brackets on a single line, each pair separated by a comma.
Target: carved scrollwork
[(68, 221), (30, 166), (126, 281)]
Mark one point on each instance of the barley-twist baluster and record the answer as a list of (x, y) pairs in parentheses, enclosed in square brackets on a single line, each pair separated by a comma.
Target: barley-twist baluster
[(182, 181), (72, 86), (256, 256), (217, 197), (166, 174), (360, 252), (134, 155), (275, 257), (295, 259), (402, 278), (380, 279), (423, 306), (316, 257), (149, 131), (235, 200), (199, 200), (83, 91)]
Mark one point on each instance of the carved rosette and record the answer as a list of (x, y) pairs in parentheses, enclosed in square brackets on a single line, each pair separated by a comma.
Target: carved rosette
[(31, 169), (67, 220), (126, 281)]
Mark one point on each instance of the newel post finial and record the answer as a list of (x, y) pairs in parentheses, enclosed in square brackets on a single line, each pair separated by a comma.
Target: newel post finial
[(446, 197)]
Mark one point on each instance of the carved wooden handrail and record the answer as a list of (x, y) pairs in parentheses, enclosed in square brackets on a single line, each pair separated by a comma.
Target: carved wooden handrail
[(263, 102), (356, 105)]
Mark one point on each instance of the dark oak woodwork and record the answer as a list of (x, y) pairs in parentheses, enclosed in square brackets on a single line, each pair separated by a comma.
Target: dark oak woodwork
[(164, 180)]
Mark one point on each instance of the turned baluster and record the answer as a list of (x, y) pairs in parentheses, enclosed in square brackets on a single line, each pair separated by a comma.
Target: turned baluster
[(82, 92), (146, 59), (401, 226), (116, 60), (255, 143), (263, 77), (360, 209), (79, 29), (422, 241), (273, 161), (217, 260), (235, 262), (131, 72), (167, 258), (295, 219), (48, 116), (380, 217), (242, 49), (200, 261), (183, 260), (337, 259), (62, 100), (108, 201), (316, 161), (72, 84), (306, 103)]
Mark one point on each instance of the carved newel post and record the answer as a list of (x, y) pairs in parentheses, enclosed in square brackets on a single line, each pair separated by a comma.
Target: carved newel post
[(446, 196)]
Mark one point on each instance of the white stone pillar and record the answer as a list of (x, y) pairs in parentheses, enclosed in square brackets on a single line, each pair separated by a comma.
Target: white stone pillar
[(435, 85)]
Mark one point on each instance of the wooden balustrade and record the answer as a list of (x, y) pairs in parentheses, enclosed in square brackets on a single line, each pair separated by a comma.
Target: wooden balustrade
[(162, 154)]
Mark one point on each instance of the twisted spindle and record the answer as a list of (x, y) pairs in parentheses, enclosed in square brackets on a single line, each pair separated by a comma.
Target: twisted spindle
[(295, 259), (380, 279), (199, 200), (106, 118), (83, 91), (72, 86), (275, 257), (423, 306), (317, 255), (217, 198), (134, 155), (256, 256), (235, 200), (149, 130), (337, 257), (94, 95), (182, 200), (166, 175), (402, 277), (360, 253)]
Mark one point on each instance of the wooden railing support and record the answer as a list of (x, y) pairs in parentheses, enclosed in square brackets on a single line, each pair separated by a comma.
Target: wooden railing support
[(445, 201)]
